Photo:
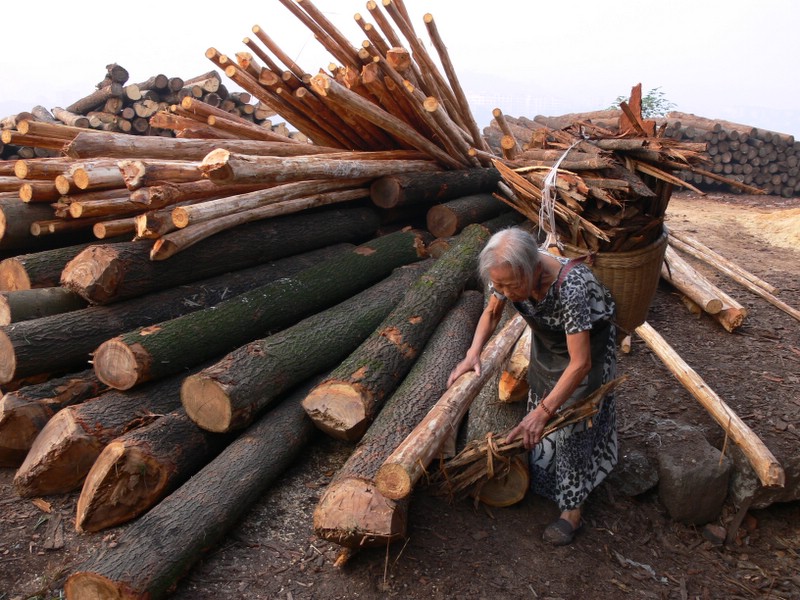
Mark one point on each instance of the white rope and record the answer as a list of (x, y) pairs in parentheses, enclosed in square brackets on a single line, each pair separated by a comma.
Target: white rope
[(547, 211)]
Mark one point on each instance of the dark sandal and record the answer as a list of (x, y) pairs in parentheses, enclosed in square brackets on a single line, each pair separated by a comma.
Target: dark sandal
[(560, 533)]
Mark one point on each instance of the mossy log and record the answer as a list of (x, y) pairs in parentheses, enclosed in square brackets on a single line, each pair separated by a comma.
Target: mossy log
[(153, 552), (139, 468), (344, 405), (106, 273), (154, 352), (62, 342), (24, 412), (352, 512), (229, 394)]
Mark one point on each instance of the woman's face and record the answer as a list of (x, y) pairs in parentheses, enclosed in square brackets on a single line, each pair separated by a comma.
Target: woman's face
[(509, 284)]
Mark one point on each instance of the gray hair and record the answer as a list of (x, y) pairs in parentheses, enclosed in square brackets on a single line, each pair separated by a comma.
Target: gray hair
[(514, 247)]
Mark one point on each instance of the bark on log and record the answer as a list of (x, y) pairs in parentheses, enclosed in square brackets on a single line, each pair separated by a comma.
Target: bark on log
[(197, 515), (61, 342), (16, 218), (153, 352), (24, 305), (139, 468), (37, 269), (24, 412), (426, 188), (765, 465), (689, 281), (352, 512), (116, 145), (96, 98), (229, 394), (141, 173), (345, 404), (111, 272), (168, 194), (449, 218), (66, 448), (404, 467)]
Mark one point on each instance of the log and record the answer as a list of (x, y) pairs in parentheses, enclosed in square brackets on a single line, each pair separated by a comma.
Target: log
[(37, 269), (426, 187), (227, 167), (168, 194), (689, 281), (153, 352), (16, 218), (345, 404), (404, 467), (141, 173), (24, 412), (95, 99), (23, 305), (70, 118), (197, 515), (107, 273), (140, 467), (70, 442), (765, 465), (513, 380), (351, 512), (117, 145), (30, 348), (114, 228), (449, 218)]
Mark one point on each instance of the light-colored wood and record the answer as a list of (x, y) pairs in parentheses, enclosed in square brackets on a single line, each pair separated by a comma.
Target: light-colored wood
[(404, 467), (513, 383), (688, 280), (140, 173), (764, 463)]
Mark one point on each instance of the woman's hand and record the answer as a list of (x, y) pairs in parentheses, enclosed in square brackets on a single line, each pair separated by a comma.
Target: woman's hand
[(470, 363), (530, 428)]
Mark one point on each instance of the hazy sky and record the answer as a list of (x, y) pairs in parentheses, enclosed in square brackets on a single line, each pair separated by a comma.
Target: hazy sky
[(722, 59)]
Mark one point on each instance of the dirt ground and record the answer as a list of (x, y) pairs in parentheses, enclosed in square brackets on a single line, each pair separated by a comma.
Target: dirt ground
[(629, 548)]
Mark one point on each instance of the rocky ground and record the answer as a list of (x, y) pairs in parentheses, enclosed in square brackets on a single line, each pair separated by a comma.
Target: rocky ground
[(630, 547)]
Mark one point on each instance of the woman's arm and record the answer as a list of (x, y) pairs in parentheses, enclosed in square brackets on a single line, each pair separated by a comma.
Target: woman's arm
[(487, 323)]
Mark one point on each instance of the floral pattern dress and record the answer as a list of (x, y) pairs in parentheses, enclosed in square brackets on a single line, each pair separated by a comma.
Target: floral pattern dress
[(569, 463)]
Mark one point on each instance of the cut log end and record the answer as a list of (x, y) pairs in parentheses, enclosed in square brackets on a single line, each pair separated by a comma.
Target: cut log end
[(385, 192), (393, 481), (121, 366), (95, 273), (354, 514), (505, 491), (338, 409), (207, 403), (117, 488), (511, 388), (13, 275), (20, 423), (91, 586), (8, 358)]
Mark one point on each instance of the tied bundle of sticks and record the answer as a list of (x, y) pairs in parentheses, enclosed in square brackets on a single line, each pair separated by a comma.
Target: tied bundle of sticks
[(483, 460)]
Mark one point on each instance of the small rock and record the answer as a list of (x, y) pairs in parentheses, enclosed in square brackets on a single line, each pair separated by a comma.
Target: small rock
[(715, 534)]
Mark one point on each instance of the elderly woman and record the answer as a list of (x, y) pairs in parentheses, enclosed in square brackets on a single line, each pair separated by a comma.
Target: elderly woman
[(573, 352)]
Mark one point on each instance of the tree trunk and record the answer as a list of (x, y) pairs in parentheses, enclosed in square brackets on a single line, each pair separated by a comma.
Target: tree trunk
[(24, 412), (16, 218), (66, 448), (139, 468), (449, 218), (344, 405), (404, 467), (765, 465), (62, 342), (37, 269), (156, 550), (111, 272), (352, 512), (168, 194), (153, 352), (427, 187), (685, 278), (141, 173), (24, 305)]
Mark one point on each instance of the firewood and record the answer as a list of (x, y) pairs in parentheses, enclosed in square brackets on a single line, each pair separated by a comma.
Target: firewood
[(449, 218), (352, 512), (27, 348), (512, 385), (107, 273), (70, 442), (765, 465), (197, 514), (684, 277), (150, 353), (24, 412), (115, 145), (142, 466), (429, 187), (404, 467), (346, 403), (23, 305)]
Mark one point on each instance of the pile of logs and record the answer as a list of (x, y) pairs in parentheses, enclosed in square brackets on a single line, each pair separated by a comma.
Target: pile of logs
[(121, 106)]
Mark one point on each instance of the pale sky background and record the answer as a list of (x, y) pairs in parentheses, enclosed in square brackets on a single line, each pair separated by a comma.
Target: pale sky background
[(722, 59)]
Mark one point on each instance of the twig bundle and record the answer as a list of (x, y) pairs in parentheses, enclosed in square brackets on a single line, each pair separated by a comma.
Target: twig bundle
[(481, 460)]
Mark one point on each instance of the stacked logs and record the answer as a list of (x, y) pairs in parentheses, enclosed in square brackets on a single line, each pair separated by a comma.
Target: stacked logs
[(118, 105)]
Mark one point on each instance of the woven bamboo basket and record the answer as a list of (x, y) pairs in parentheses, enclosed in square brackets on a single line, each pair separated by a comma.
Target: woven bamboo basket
[(631, 277)]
